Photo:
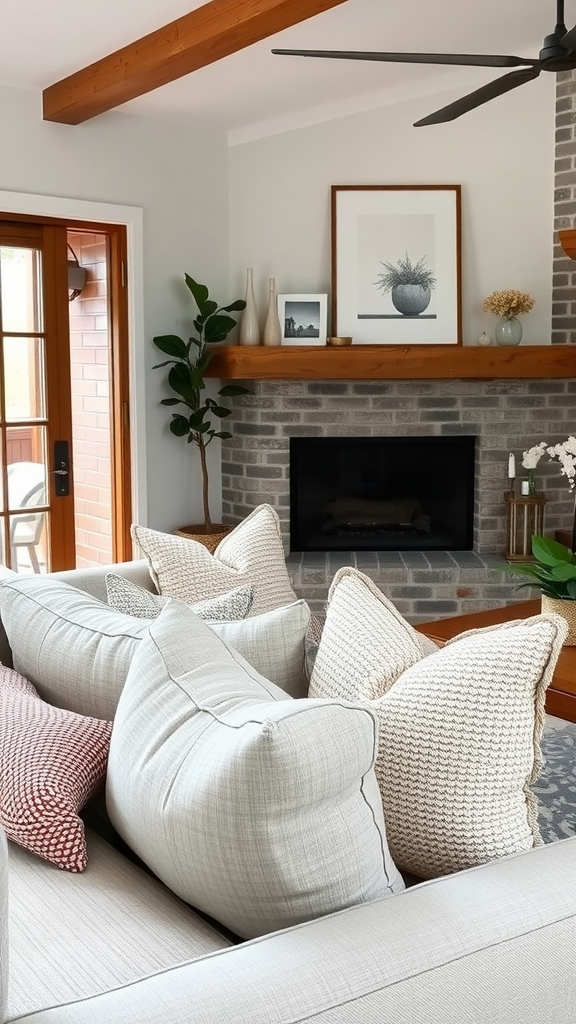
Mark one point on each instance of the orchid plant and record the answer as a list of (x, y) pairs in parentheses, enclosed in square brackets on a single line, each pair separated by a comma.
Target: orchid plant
[(565, 453)]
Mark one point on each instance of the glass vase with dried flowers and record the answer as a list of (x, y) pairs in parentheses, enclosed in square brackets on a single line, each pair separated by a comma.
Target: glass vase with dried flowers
[(508, 305)]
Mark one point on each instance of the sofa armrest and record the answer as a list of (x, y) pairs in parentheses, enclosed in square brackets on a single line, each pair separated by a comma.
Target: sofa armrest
[(490, 945)]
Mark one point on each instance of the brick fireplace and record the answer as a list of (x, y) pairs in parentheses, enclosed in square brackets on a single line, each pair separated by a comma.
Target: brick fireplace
[(503, 415)]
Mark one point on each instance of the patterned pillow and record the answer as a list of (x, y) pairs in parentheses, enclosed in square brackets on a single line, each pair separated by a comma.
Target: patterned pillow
[(459, 732), (51, 762), (251, 553), (131, 599)]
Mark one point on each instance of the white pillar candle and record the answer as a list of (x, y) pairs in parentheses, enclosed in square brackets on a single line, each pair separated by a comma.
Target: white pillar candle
[(511, 466), (525, 488)]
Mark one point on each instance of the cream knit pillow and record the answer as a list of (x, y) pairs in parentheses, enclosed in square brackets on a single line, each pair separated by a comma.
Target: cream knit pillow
[(459, 736), (365, 642), (251, 553)]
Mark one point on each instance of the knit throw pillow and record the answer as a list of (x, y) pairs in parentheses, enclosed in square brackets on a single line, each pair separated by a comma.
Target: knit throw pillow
[(131, 599), (51, 763), (459, 733), (252, 553)]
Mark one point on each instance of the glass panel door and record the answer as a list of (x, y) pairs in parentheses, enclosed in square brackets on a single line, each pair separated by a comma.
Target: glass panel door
[(26, 433)]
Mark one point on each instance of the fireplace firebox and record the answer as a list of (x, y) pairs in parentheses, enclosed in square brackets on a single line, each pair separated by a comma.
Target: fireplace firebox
[(381, 493)]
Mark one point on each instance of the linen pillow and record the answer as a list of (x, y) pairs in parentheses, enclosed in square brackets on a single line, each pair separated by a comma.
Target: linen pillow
[(459, 739), (51, 763), (251, 553), (259, 810), (77, 651), (131, 599)]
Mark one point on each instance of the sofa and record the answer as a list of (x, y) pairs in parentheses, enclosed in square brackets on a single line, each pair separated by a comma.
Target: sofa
[(115, 943)]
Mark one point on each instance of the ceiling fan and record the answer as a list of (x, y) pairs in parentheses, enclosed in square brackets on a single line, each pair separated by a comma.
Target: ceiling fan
[(558, 53)]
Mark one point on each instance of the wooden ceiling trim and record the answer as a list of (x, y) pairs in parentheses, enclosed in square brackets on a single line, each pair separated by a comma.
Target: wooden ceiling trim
[(205, 35)]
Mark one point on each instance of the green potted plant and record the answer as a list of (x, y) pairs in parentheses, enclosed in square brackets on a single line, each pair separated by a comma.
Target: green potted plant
[(553, 572), (410, 284), (188, 363)]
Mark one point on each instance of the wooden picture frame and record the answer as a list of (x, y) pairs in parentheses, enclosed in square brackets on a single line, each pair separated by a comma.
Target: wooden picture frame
[(382, 234), (303, 319)]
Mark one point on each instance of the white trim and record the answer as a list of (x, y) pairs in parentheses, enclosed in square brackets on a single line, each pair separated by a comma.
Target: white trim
[(132, 217)]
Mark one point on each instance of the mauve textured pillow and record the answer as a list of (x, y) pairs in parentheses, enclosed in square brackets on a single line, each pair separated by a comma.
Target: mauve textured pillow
[(51, 763)]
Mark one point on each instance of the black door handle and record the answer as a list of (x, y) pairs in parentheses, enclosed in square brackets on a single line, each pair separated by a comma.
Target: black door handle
[(62, 470)]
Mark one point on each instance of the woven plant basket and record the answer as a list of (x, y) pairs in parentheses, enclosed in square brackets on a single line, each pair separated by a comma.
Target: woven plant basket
[(211, 540), (565, 608)]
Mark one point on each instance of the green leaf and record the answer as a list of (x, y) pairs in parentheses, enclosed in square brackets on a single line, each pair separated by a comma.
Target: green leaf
[(564, 572), (170, 401), (550, 552), (217, 328), (199, 291), (195, 421), (223, 434), (571, 588), (180, 381), (235, 307), (168, 362), (220, 411), (179, 426), (172, 345), (232, 390)]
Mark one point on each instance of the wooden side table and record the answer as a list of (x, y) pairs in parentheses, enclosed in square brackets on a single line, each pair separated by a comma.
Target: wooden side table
[(561, 694)]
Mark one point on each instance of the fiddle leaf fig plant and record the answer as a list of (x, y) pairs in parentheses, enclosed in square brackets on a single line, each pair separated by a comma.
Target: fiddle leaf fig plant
[(553, 572), (188, 363)]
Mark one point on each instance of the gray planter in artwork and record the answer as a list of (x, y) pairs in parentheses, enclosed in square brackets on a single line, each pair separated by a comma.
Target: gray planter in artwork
[(410, 299)]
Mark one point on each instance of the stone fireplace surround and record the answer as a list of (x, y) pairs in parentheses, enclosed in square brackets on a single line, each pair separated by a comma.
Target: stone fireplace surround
[(505, 416)]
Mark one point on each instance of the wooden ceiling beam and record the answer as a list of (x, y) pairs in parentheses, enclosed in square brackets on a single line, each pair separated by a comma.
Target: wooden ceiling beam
[(207, 34)]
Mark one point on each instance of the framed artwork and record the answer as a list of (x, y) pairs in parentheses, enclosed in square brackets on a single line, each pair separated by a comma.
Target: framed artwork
[(396, 264), (303, 319)]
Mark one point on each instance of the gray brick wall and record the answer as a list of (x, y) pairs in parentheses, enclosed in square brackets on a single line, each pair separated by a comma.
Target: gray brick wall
[(505, 415), (564, 269)]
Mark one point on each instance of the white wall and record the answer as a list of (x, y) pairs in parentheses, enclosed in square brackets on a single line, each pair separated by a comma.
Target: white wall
[(179, 177), (502, 154)]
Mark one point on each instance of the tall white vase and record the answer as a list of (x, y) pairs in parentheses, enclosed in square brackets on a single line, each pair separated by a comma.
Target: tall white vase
[(272, 329), (249, 331)]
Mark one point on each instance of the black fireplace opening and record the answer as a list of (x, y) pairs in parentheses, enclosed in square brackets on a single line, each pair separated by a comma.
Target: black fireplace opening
[(382, 493)]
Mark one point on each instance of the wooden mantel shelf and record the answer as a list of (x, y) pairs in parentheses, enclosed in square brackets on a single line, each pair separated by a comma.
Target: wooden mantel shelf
[(392, 362)]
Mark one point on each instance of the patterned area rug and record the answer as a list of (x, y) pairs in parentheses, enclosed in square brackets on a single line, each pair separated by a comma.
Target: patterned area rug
[(555, 787)]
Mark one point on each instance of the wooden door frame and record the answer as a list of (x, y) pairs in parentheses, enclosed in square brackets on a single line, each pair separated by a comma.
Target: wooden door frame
[(55, 230)]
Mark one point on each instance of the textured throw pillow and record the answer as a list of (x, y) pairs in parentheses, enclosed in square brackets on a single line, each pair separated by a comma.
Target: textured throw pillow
[(459, 738), (51, 762), (260, 810), (251, 553), (365, 642), (131, 599), (77, 651)]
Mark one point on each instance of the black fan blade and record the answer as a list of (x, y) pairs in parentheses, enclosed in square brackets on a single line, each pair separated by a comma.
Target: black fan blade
[(569, 40), (469, 59), (480, 96)]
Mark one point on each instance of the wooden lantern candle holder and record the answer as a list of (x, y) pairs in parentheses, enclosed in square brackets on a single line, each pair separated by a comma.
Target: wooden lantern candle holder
[(525, 517)]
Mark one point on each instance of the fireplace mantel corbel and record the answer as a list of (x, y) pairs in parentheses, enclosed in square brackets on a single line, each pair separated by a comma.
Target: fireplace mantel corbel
[(567, 239)]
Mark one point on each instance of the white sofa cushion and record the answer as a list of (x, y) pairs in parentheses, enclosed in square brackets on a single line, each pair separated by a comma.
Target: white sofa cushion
[(259, 810), (77, 651), (251, 553), (72, 936), (125, 596), (459, 732)]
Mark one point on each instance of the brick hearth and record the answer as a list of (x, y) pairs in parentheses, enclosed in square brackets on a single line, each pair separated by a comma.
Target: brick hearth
[(504, 415)]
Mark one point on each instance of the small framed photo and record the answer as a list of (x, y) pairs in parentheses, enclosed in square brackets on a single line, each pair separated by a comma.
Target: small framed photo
[(303, 319)]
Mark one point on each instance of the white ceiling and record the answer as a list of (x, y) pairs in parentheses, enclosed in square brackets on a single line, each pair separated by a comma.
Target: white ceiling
[(253, 92)]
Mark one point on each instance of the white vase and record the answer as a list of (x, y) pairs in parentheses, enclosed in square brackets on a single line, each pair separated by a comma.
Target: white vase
[(272, 329), (249, 331)]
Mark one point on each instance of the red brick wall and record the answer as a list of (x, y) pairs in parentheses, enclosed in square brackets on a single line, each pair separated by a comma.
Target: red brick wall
[(89, 358)]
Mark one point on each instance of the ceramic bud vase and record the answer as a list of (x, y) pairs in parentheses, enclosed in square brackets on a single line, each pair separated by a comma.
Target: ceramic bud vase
[(249, 331), (272, 329), (508, 331)]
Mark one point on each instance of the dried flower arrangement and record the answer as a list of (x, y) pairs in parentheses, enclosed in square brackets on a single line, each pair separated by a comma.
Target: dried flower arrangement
[(508, 303)]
